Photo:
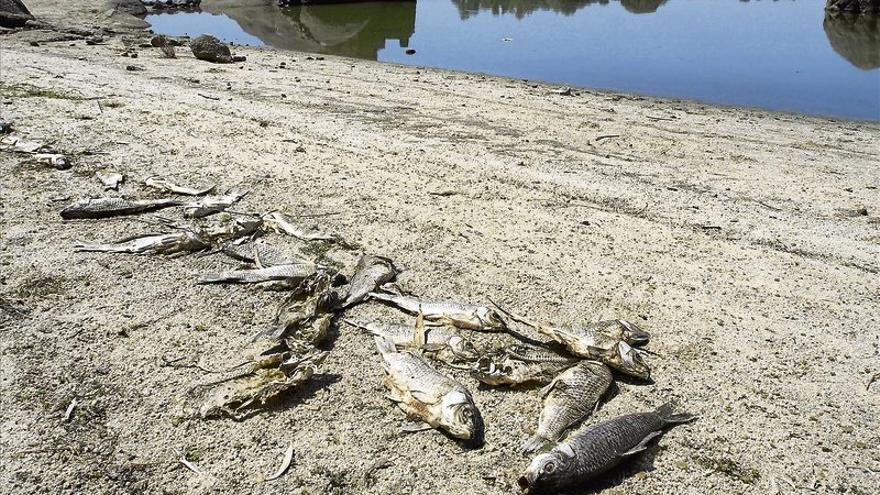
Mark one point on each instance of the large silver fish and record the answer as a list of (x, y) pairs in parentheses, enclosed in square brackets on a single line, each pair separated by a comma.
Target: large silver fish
[(174, 243), (569, 398), (593, 450), (112, 207), (441, 343), (209, 205), (370, 273), (447, 312), (591, 343), (293, 273), (519, 364), (427, 395)]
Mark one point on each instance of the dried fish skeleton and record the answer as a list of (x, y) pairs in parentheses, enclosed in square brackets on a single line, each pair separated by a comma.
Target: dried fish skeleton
[(441, 343), (570, 397), (262, 255), (427, 395), (292, 273), (519, 365), (595, 449), (592, 342), (111, 207), (168, 186), (303, 317), (447, 312), (370, 273), (174, 243), (209, 205), (278, 222), (230, 397)]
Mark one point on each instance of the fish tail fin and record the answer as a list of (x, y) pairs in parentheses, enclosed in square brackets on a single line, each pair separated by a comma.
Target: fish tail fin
[(212, 278), (670, 417), (533, 443), (81, 246), (384, 345)]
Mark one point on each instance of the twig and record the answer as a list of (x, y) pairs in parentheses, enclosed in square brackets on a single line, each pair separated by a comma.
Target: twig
[(651, 117), (606, 136), (172, 363), (209, 97), (288, 457), (69, 412)]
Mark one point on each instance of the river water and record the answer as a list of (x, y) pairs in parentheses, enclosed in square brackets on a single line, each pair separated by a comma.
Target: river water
[(782, 55)]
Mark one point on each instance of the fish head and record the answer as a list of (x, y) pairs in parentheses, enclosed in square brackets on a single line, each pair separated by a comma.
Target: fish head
[(632, 334), (493, 373), (459, 416), (490, 320), (628, 360), (548, 470), (463, 349)]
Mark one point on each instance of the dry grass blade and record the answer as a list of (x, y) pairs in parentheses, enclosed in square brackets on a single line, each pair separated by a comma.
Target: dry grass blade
[(285, 464), (192, 467), (69, 412)]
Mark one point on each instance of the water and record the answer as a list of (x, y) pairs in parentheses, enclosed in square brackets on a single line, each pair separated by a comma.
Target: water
[(783, 55)]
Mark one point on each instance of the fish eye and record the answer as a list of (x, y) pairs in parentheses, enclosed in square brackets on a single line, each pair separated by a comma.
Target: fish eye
[(549, 467)]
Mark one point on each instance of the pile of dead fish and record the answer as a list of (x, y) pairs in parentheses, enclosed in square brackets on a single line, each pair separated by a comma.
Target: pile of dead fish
[(575, 364)]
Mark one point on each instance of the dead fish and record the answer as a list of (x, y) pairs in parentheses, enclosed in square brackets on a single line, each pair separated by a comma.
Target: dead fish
[(54, 160), (427, 395), (111, 207), (590, 343), (231, 230), (304, 315), (569, 398), (595, 449), (615, 329), (370, 273), (17, 144), (278, 222), (519, 365), (166, 185), (263, 255), (174, 243), (209, 205), (287, 273), (111, 181), (447, 312), (231, 396), (441, 343)]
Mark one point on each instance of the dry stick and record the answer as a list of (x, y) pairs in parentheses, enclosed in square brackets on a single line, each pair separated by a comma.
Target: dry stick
[(209, 97), (607, 136), (651, 117)]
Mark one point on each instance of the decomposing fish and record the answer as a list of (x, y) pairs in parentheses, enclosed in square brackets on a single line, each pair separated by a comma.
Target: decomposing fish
[(166, 185), (304, 316), (370, 273), (291, 273), (447, 312), (17, 144), (177, 242), (278, 222), (261, 254), (595, 449), (441, 343), (591, 343), (615, 329), (427, 395), (111, 181), (231, 396), (518, 365), (231, 230), (54, 160), (209, 205), (569, 398), (111, 207)]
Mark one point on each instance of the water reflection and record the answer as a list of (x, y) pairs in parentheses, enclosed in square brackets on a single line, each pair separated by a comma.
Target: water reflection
[(522, 8), (855, 38), (355, 30)]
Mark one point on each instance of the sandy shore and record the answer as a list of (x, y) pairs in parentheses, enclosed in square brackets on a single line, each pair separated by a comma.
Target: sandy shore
[(733, 235)]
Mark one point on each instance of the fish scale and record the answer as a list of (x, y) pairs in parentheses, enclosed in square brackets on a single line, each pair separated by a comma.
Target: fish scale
[(272, 273)]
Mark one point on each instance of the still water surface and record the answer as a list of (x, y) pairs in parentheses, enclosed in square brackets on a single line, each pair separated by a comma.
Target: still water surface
[(783, 55)]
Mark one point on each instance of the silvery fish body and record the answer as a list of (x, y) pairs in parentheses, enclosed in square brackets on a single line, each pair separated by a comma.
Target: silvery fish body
[(370, 273), (166, 185), (112, 207), (261, 254), (617, 329), (589, 344), (286, 273), (593, 450), (519, 364), (569, 398), (178, 242), (428, 395), (441, 343), (211, 204), (448, 312)]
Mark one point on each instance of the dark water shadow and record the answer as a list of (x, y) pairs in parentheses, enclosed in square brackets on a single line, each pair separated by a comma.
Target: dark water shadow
[(855, 37), (523, 8)]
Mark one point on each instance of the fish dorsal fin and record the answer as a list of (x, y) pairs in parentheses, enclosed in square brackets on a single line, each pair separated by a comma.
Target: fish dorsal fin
[(420, 337)]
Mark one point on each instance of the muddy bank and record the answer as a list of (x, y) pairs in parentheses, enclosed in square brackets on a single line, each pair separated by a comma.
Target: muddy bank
[(745, 241)]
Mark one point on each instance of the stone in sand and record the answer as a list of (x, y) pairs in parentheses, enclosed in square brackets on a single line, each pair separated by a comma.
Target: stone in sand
[(207, 47), (13, 13), (133, 7)]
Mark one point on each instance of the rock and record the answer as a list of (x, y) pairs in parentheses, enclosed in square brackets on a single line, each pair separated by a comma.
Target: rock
[(159, 40), (5, 127), (410, 51), (853, 6), (13, 13), (172, 4), (207, 47), (239, 58), (132, 7)]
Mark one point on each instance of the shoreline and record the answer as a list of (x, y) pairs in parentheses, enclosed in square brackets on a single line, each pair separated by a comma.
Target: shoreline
[(746, 241)]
